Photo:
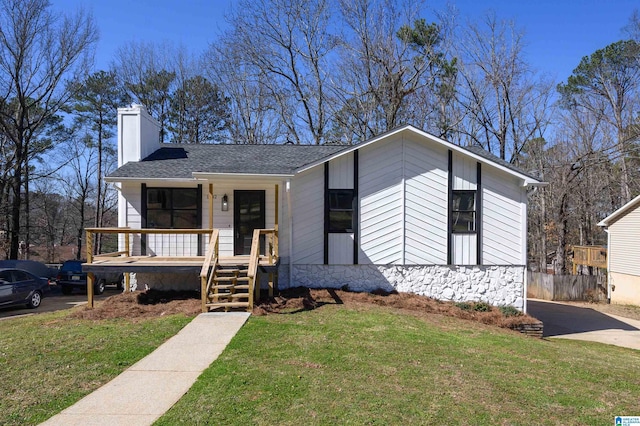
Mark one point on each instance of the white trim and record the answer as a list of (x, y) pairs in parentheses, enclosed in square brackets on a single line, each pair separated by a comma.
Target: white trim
[(143, 180), (207, 175), (607, 221), (290, 223), (527, 181), (608, 266), (403, 206)]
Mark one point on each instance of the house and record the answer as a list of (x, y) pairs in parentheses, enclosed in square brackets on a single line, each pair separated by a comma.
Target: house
[(623, 268), (403, 211)]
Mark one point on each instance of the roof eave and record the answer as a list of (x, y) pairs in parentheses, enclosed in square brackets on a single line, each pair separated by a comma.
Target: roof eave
[(116, 179), (620, 212), (208, 176)]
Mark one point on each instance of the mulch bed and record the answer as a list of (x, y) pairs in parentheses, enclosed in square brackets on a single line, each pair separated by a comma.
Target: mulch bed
[(153, 303)]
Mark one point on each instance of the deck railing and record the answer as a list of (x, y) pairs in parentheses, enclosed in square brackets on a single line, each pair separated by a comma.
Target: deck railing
[(271, 242), (590, 256), (209, 267), (172, 244)]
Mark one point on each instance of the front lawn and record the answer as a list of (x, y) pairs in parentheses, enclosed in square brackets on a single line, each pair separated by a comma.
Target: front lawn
[(51, 360), (363, 364)]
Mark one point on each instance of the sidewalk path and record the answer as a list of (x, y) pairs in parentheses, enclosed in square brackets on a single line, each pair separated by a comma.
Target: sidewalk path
[(567, 321), (146, 390)]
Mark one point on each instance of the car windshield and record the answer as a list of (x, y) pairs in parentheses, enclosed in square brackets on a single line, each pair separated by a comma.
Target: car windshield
[(73, 266)]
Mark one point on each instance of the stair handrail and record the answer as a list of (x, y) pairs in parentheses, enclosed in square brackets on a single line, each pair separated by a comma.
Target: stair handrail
[(252, 271), (209, 266)]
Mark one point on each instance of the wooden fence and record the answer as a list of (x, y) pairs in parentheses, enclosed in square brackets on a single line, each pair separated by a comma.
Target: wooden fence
[(566, 287)]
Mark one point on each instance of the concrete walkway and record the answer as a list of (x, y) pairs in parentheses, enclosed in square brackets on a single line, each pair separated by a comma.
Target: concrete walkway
[(146, 390), (565, 321)]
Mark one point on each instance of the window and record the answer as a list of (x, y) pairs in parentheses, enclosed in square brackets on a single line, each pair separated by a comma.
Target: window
[(341, 210), (172, 208), (463, 211)]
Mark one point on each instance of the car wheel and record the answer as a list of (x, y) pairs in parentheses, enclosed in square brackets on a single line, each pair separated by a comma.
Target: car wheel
[(36, 299), (120, 285), (66, 289), (99, 288)]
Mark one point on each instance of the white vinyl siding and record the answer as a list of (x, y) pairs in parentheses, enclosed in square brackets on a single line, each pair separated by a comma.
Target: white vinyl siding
[(624, 251), (464, 249), (341, 172), (308, 216), (465, 173), (341, 249), (502, 219), (132, 194), (381, 202), (426, 181)]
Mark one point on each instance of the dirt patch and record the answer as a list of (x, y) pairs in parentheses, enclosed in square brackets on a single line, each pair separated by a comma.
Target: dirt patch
[(153, 303), (147, 304)]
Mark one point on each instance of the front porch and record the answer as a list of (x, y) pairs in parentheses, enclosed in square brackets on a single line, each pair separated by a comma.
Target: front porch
[(225, 281)]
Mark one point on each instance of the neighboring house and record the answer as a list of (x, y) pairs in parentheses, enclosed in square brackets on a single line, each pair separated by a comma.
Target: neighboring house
[(623, 260), (404, 210)]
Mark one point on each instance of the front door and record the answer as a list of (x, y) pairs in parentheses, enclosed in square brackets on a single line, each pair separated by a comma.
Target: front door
[(248, 215)]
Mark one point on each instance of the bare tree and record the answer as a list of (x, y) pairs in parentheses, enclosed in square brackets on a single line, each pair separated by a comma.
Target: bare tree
[(288, 44), (394, 70), (253, 117), (507, 105), (607, 84), (148, 73), (38, 50)]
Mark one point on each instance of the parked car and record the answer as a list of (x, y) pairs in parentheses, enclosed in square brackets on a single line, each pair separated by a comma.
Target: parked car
[(18, 287), (71, 276), (38, 269)]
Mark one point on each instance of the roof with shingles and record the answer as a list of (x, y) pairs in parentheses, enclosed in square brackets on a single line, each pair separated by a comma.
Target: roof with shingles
[(180, 161)]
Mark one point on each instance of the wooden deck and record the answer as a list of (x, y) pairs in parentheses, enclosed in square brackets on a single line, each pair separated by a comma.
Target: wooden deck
[(163, 264)]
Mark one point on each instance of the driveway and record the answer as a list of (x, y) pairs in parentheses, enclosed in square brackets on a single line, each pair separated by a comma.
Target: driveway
[(572, 322), (55, 301)]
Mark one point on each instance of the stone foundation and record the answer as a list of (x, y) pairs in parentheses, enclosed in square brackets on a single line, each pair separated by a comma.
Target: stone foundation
[(497, 285)]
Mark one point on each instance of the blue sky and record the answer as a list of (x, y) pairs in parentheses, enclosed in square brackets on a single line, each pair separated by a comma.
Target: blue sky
[(558, 32)]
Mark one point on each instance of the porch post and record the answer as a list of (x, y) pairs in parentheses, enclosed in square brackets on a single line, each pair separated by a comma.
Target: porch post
[(210, 206)]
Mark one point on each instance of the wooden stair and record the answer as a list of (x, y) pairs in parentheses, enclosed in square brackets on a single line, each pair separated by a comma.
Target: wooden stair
[(229, 288)]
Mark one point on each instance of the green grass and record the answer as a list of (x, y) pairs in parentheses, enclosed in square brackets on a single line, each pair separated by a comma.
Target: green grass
[(50, 361), (337, 365)]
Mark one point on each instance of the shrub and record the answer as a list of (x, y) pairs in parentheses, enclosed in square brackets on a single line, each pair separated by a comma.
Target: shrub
[(509, 311), (464, 306), (482, 307)]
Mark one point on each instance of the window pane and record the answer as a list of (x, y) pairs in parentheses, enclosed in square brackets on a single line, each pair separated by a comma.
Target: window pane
[(185, 219), (340, 221), (341, 199), (463, 221), (158, 198), (464, 200), (158, 218), (185, 199)]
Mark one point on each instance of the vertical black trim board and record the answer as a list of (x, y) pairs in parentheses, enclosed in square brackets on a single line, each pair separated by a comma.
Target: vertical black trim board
[(326, 213), (199, 218), (450, 210), (143, 219), (356, 210), (479, 214)]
